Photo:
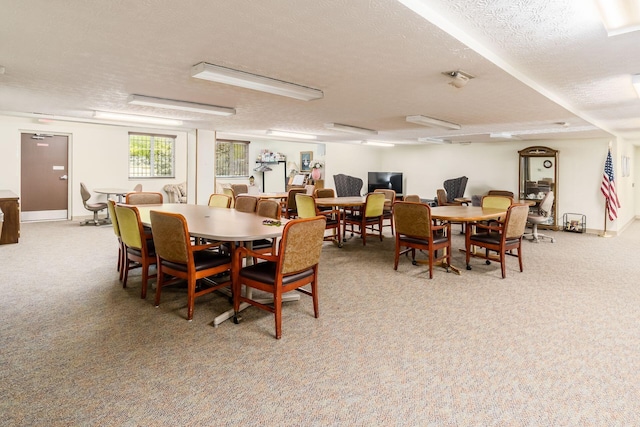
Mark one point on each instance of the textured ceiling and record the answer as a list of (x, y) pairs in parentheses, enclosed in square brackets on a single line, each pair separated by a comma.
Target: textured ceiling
[(536, 63)]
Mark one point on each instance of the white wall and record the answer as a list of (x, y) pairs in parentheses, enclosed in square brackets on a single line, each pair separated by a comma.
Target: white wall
[(99, 157), (495, 166)]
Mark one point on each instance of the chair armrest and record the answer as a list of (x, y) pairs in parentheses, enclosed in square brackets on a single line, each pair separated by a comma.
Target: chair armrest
[(491, 226), (202, 247), (243, 252)]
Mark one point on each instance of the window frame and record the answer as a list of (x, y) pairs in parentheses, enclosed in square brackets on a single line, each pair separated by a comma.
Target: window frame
[(152, 169), (237, 170)]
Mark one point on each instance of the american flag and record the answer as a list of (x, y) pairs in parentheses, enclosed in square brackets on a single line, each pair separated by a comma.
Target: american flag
[(608, 188)]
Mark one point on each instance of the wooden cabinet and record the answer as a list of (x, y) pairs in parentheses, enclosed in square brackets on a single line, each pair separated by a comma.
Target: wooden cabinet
[(10, 206)]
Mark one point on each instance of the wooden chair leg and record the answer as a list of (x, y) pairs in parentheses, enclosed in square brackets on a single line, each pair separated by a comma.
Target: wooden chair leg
[(159, 284), (277, 306)]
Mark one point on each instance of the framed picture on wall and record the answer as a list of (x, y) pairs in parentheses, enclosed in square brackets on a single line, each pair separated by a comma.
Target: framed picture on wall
[(305, 161)]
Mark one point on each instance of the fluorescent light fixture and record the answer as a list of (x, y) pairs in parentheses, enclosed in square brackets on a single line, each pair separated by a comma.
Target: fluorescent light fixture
[(171, 104), (434, 140), (290, 134), (229, 76), (378, 143), (136, 118), (431, 122), (501, 135), (619, 16), (350, 129), (635, 80)]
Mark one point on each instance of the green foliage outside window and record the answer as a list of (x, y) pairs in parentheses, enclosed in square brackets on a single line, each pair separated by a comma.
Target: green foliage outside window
[(151, 156)]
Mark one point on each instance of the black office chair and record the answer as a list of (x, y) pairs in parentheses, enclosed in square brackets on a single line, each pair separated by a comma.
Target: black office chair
[(455, 188), (347, 186), (92, 207)]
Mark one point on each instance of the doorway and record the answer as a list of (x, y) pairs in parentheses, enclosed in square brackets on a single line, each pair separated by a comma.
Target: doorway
[(44, 177)]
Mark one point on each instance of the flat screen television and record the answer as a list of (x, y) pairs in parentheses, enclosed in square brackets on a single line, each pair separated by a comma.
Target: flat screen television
[(387, 180)]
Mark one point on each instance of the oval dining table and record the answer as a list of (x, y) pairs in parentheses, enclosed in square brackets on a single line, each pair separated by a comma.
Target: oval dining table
[(221, 224)]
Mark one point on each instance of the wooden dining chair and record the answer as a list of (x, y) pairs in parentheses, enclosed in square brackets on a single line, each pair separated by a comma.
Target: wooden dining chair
[(496, 202), (138, 244), (413, 198), (289, 209), (307, 208), (229, 192), (319, 193), (502, 237), (220, 200), (239, 189), (293, 266), (390, 198), (267, 208), (415, 230), (179, 258), (111, 205), (368, 220), (143, 198), (245, 203)]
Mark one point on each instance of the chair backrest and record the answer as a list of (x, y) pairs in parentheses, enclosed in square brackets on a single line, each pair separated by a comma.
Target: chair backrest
[(138, 187), (144, 198), (131, 229), (291, 198), (324, 192), (516, 220), (497, 202), (412, 219), (240, 189), (455, 187), (441, 195), (111, 206), (310, 188), (229, 192), (546, 204), (219, 200), (347, 186), (86, 195), (246, 203), (389, 195), (306, 205), (301, 244), (413, 198), (500, 193), (268, 208), (170, 236), (374, 205)]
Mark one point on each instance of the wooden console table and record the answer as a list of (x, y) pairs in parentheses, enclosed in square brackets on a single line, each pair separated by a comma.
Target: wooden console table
[(10, 206)]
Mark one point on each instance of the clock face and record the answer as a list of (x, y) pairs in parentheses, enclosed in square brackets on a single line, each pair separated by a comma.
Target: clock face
[(547, 164)]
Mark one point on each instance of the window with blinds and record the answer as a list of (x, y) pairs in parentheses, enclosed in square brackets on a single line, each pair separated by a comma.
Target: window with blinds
[(151, 156), (232, 158)]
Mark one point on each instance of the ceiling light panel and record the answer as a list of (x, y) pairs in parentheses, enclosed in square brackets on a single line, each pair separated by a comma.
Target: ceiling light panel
[(378, 143), (434, 140), (350, 129), (287, 134), (136, 119), (431, 122), (171, 104), (229, 76), (619, 16)]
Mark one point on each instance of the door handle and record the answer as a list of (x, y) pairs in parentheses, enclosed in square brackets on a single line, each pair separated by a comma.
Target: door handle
[(64, 177)]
